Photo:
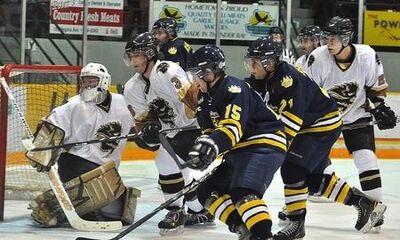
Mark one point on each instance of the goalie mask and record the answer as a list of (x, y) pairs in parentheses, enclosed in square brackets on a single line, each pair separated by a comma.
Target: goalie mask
[(94, 83)]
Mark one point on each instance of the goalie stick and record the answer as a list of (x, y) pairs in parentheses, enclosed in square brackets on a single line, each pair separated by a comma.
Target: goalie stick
[(364, 124), (139, 222), (30, 147), (56, 184)]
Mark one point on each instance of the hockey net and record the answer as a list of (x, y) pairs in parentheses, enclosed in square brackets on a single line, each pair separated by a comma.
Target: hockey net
[(37, 90)]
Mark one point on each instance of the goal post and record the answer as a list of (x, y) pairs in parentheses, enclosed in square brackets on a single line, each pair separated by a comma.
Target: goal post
[(37, 90)]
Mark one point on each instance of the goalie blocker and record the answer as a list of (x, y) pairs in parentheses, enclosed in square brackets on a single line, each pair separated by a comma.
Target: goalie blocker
[(97, 192)]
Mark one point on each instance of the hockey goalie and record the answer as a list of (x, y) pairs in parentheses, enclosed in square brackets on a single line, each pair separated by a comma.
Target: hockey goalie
[(89, 172)]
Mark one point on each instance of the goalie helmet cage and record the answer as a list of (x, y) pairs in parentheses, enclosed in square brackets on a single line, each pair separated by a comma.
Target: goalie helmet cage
[(37, 90)]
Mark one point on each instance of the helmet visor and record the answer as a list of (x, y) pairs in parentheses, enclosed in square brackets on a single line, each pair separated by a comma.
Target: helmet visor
[(89, 82), (251, 63)]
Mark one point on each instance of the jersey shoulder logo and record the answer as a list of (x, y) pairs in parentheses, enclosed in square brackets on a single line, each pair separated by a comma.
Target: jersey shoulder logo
[(311, 60), (111, 129), (162, 67), (187, 47), (344, 94), (287, 81), (172, 50), (234, 89)]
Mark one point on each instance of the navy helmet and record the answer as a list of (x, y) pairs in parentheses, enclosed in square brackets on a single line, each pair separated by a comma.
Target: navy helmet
[(167, 24), (267, 49), (208, 57)]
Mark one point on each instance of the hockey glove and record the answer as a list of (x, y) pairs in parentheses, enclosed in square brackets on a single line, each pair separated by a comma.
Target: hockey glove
[(143, 144), (385, 117), (150, 133), (203, 153)]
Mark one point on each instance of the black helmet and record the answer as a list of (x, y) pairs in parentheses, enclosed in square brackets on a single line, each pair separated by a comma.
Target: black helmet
[(167, 24), (276, 30), (341, 27), (208, 57), (311, 31), (267, 49), (144, 43)]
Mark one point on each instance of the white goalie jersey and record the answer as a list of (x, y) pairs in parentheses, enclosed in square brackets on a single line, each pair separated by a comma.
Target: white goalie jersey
[(84, 121), (163, 94), (347, 87)]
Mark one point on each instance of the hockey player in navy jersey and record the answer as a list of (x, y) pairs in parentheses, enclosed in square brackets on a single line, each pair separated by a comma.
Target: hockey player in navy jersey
[(239, 126), (172, 48), (312, 125)]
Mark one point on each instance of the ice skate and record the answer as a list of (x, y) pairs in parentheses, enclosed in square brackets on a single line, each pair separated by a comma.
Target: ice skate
[(200, 219), (173, 223), (294, 230), (369, 212)]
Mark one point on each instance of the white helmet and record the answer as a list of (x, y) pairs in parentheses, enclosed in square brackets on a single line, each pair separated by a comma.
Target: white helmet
[(96, 90)]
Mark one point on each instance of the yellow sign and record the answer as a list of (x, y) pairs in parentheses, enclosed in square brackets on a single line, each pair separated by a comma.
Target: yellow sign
[(382, 28)]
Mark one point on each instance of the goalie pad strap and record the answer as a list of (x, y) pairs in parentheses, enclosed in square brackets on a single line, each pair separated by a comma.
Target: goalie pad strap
[(88, 192), (130, 202)]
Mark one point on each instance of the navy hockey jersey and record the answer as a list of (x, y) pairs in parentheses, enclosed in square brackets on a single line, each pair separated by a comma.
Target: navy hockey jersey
[(236, 117), (177, 51), (303, 106)]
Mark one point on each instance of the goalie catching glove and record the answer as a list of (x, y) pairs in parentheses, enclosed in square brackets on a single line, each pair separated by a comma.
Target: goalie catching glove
[(47, 134), (203, 153)]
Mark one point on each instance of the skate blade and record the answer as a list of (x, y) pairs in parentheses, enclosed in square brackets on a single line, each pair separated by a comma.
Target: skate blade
[(379, 210), (202, 225), (171, 232)]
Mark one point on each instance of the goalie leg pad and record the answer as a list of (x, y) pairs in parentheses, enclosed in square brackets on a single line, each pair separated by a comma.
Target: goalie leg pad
[(88, 192), (130, 202)]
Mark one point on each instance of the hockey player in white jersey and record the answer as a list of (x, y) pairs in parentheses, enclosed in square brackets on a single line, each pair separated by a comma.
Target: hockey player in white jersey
[(308, 40), (353, 74), (161, 97), (89, 171)]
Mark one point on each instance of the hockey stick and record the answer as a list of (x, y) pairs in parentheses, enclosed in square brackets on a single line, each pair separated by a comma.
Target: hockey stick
[(30, 147), (101, 140), (159, 208), (364, 124), (165, 143), (56, 184)]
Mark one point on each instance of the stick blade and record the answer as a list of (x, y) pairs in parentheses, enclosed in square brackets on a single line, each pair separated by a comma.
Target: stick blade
[(94, 226), (83, 238)]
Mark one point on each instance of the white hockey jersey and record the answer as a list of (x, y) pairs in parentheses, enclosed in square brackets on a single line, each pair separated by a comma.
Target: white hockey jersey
[(163, 94), (347, 87), (83, 121), (302, 62)]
